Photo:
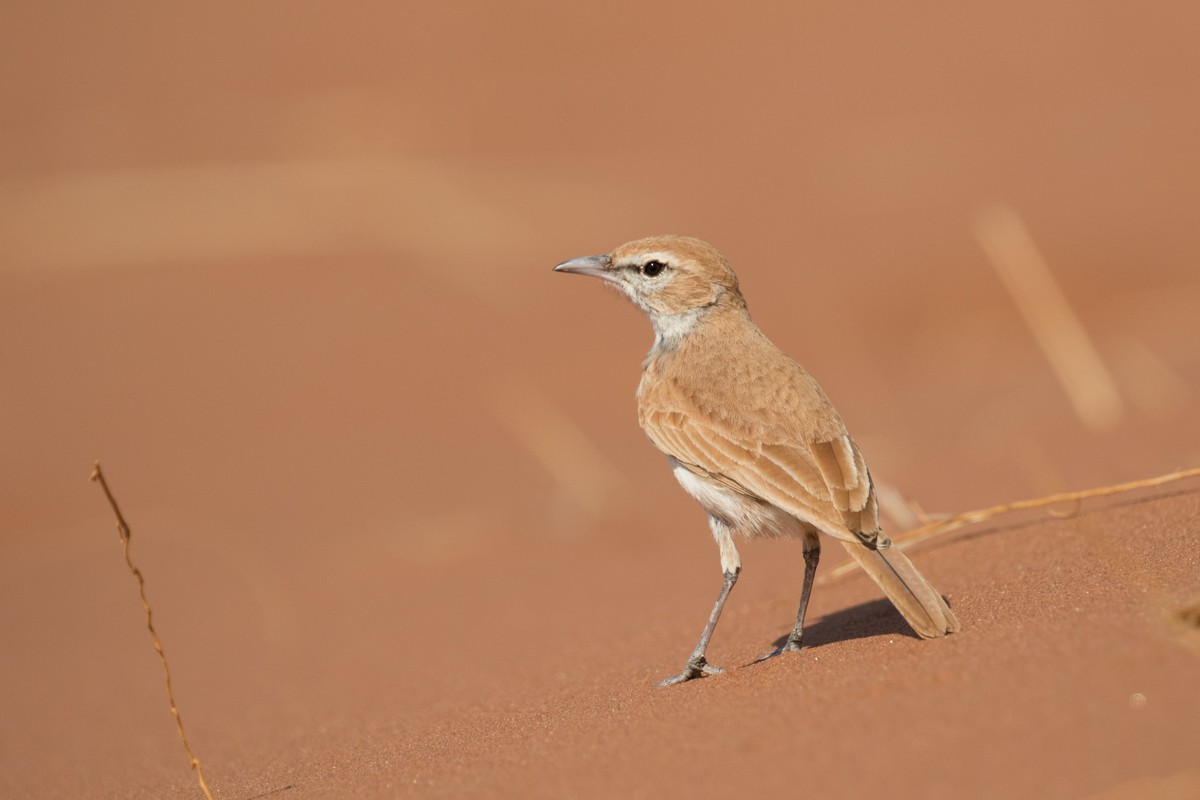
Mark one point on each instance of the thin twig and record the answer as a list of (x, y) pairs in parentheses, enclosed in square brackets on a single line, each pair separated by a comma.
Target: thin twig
[(934, 529), (124, 531)]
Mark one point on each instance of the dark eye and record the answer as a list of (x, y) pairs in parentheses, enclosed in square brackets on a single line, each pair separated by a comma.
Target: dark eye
[(653, 268)]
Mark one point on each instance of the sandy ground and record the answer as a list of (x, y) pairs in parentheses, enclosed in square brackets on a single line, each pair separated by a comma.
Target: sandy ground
[(286, 271)]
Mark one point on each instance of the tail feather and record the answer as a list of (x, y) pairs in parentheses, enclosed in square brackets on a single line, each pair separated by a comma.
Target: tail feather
[(913, 596)]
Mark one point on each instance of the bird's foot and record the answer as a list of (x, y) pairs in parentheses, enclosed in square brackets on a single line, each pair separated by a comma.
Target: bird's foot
[(790, 646), (696, 668)]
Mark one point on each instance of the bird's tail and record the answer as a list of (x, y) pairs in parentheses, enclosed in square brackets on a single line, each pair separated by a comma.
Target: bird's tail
[(908, 590)]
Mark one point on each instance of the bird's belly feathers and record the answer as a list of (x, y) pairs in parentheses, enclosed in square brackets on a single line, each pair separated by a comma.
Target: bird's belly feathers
[(746, 515)]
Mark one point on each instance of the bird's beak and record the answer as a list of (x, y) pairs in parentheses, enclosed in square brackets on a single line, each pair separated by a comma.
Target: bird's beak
[(596, 266)]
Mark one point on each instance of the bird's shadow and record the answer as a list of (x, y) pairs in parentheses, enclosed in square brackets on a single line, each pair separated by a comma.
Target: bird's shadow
[(872, 618)]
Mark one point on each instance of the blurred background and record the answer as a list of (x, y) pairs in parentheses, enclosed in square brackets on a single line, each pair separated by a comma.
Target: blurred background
[(285, 269)]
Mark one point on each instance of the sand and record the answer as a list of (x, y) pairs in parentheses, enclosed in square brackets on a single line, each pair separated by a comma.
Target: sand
[(286, 272)]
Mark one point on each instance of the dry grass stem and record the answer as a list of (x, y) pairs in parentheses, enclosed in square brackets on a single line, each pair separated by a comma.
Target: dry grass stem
[(955, 521), (123, 530), (1072, 354), (903, 512)]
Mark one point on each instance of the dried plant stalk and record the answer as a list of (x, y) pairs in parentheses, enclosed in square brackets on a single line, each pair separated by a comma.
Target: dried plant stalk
[(123, 530), (1058, 330), (934, 529)]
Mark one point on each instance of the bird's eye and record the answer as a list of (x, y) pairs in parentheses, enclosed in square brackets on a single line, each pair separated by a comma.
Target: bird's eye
[(652, 268)]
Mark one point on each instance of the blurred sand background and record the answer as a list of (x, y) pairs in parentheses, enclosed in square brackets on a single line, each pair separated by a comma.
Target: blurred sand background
[(285, 269)]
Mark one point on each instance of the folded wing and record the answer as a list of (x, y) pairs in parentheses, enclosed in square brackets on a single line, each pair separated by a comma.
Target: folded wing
[(823, 483)]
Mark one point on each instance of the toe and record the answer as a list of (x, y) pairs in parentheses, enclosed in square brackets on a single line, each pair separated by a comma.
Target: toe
[(788, 647), (694, 669)]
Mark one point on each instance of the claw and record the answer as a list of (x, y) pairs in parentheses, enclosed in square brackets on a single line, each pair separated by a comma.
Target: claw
[(696, 668)]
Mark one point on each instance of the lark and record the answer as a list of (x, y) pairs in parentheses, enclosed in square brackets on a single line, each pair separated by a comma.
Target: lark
[(749, 434)]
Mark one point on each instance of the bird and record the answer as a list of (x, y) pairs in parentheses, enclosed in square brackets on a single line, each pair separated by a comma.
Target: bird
[(750, 434)]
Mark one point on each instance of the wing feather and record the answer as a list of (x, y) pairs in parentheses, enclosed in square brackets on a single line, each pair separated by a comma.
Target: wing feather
[(704, 453), (799, 465), (862, 495), (665, 436), (844, 455), (827, 462), (807, 482)]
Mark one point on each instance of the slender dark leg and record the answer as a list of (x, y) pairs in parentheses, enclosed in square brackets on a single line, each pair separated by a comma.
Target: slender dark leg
[(696, 666), (812, 554)]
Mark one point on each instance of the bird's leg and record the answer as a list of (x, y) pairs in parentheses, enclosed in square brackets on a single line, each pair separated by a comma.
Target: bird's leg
[(812, 554), (696, 666)]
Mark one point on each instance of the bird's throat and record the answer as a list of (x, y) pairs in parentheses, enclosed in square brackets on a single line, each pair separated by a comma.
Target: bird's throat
[(671, 329)]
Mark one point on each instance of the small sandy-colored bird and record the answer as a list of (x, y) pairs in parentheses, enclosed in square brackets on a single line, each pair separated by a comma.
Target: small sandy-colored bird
[(749, 433)]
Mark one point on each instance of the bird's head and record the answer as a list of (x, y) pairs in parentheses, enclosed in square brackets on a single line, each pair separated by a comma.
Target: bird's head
[(674, 279)]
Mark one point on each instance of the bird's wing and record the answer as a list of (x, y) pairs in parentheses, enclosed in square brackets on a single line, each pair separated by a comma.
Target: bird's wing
[(824, 483), (852, 491)]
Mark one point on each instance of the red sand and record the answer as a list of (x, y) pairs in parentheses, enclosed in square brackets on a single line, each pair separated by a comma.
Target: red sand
[(287, 273)]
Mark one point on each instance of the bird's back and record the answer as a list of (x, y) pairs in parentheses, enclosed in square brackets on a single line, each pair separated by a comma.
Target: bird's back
[(734, 376)]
